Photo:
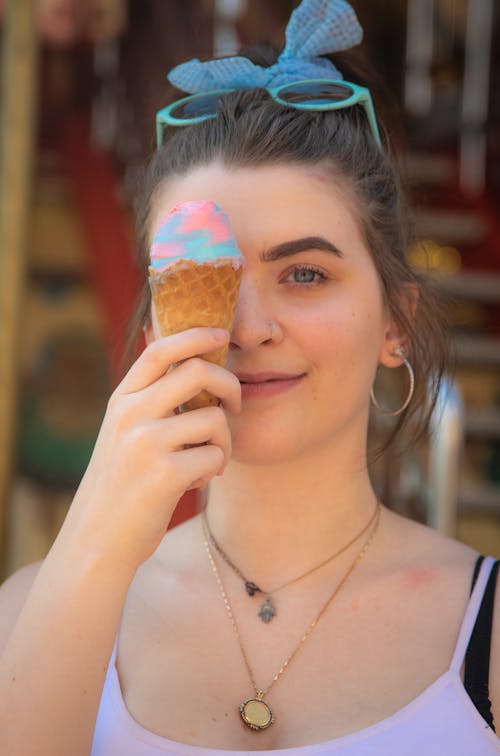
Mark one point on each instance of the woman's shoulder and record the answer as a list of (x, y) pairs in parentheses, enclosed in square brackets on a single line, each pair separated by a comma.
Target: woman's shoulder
[(416, 548), (428, 551), (13, 593), (419, 543)]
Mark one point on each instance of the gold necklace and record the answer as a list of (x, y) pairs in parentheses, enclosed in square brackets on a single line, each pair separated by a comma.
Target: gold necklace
[(256, 712), (267, 609)]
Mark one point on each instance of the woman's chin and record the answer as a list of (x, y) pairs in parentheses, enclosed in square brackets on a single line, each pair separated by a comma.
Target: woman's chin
[(261, 457), (264, 445)]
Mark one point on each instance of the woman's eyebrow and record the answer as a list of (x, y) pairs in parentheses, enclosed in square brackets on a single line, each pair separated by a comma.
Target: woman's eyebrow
[(293, 247)]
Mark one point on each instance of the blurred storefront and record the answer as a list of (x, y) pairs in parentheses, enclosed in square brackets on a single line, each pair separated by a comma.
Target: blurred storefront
[(99, 73)]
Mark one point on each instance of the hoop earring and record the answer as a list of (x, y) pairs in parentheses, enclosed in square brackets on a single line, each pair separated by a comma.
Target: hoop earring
[(399, 352)]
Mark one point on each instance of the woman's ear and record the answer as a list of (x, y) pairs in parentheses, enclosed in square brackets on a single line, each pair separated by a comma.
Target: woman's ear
[(396, 335)]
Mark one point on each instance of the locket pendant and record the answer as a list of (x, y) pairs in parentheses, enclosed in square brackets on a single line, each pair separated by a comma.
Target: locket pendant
[(267, 610), (256, 713)]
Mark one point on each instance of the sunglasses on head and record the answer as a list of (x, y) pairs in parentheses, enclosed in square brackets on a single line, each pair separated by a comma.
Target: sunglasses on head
[(311, 94)]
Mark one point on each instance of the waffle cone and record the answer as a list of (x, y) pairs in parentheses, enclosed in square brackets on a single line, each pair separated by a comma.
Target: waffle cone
[(189, 294)]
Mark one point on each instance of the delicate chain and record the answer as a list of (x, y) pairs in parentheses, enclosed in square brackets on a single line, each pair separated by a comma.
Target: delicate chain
[(262, 692), (329, 559)]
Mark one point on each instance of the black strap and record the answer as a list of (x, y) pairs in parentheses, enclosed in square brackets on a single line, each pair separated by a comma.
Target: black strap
[(475, 574), (477, 657)]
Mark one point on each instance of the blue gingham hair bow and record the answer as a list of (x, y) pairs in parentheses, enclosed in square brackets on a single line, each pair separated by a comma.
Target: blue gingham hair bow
[(315, 28)]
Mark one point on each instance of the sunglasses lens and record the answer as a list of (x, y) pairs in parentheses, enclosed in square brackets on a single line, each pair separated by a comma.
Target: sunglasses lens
[(316, 93), (199, 106)]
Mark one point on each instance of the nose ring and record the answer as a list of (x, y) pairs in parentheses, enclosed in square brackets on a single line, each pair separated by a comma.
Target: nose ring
[(272, 329)]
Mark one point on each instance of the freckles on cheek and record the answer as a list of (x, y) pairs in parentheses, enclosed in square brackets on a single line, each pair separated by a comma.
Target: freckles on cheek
[(365, 327), (338, 337)]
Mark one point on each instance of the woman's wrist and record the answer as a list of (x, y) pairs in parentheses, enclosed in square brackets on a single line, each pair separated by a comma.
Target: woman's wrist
[(78, 554)]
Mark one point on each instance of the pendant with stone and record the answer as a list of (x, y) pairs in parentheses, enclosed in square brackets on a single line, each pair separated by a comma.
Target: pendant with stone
[(251, 588), (267, 611)]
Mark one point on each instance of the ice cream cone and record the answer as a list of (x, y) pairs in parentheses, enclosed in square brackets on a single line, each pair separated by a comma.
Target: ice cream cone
[(189, 294), (195, 275)]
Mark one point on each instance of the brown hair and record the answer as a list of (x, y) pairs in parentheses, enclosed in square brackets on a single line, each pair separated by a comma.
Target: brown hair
[(251, 130)]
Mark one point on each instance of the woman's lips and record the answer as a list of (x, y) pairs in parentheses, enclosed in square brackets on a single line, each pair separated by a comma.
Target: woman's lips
[(261, 385)]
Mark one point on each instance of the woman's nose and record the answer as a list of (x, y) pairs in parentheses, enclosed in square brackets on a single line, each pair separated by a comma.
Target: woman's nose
[(254, 323)]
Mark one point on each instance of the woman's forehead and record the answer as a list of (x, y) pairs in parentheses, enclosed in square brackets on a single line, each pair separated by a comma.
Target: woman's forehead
[(265, 202)]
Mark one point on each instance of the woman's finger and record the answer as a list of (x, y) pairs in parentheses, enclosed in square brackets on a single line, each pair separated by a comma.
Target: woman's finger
[(200, 463), (185, 381), (158, 356), (201, 426)]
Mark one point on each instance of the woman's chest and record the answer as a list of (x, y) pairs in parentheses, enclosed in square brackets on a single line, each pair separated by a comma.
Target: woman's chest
[(185, 676)]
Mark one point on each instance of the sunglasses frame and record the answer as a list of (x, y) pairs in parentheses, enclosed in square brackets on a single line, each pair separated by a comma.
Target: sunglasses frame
[(359, 96)]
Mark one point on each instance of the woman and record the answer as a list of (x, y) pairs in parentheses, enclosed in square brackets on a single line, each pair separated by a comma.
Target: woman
[(356, 640)]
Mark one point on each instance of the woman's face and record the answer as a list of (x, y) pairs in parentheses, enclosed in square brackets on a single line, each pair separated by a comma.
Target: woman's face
[(310, 324)]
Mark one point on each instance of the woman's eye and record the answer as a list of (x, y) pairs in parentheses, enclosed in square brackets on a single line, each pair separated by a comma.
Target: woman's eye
[(305, 275)]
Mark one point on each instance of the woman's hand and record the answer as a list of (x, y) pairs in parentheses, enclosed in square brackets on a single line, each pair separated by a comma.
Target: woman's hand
[(56, 636), (146, 456)]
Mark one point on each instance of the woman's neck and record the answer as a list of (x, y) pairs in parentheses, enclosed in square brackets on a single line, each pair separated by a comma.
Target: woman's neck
[(277, 521)]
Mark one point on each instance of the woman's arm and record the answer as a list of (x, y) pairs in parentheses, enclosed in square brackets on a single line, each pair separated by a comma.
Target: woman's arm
[(54, 652), (57, 646)]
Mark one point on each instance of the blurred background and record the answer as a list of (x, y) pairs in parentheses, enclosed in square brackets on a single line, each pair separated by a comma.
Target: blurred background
[(81, 81)]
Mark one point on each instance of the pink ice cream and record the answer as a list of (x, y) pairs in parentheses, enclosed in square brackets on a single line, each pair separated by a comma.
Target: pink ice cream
[(198, 231)]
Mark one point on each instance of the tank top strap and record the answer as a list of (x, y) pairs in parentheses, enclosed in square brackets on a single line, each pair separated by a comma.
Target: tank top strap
[(471, 613), (112, 660)]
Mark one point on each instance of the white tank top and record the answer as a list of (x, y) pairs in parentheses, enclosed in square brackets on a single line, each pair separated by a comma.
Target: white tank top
[(441, 721)]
